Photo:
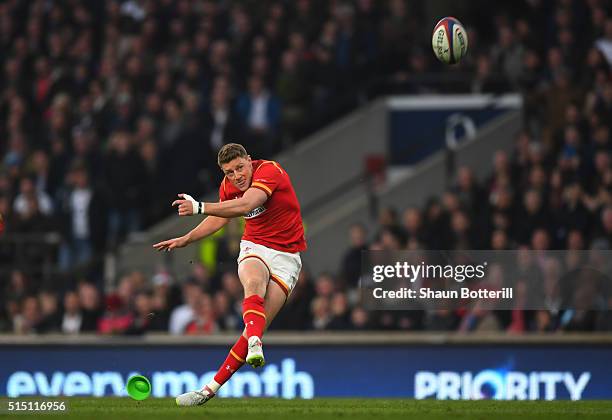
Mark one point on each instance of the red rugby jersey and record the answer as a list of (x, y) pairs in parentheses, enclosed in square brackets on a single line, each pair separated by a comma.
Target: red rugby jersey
[(276, 224)]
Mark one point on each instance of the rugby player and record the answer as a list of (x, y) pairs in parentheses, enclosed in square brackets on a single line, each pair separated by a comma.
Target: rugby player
[(269, 261)]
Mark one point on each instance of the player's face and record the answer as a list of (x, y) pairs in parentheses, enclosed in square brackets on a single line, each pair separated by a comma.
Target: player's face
[(239, 172)]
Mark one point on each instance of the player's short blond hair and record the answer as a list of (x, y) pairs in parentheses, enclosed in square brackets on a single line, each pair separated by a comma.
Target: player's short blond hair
[(230, 152)]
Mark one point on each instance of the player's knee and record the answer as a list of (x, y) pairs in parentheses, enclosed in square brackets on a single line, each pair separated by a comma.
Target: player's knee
[(254, 277), (254, 282), (254, 285)]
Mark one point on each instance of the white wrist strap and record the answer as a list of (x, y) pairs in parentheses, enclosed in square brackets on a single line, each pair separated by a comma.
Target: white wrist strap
[(198, 206)]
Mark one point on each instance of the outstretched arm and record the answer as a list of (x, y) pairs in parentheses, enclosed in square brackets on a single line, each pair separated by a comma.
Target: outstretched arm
[(206, 228), (251, 199)]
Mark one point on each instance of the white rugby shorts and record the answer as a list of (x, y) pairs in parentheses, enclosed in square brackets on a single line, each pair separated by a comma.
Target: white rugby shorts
[(284, 267)]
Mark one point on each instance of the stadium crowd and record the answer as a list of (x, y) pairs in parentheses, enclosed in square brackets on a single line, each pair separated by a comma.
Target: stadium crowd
[(107, 109)]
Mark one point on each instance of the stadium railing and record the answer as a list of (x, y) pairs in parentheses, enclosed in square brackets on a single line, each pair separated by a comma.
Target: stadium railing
[(313, 338)]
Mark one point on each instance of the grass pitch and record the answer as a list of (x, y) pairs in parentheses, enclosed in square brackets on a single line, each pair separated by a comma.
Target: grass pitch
[(321, 408)]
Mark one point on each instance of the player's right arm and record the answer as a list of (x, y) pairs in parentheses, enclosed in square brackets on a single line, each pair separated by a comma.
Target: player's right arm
[(206, 228)]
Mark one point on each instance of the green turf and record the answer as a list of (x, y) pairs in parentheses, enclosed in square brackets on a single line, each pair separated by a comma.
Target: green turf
[(350, 409)]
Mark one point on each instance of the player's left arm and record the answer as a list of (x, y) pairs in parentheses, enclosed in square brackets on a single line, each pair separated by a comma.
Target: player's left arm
[(251, 199)]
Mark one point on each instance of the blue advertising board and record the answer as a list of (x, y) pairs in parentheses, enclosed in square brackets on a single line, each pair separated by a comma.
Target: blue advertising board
[(423, 371), (418, 127)]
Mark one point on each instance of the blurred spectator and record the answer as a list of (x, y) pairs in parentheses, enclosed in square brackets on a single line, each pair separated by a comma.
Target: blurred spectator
[(463, 233), (125, 177), (604, 44), (222, 125), (182, 315), (486, 80), (468, 191), (292, 93), (152, 208), (204, 319), (259, 109), (324, 285), (230, 283), (351, 262), (164, 285), (360, 319), (499, 240), (12, 316), (40, 175), (31, 219), (91, 306), (51, 316), (201, 276), (339, 312), (227, 318), (441, 320), (387, 217), (508, 54), (83, 218), (573, 214), (18, 286), (117, 317), (160, 314), (604, 232), (412, 223), (533, 216), (72, 319), (29, 196), (27, 321), (142, 314), (392, 238), (321, 313), (436, 225)]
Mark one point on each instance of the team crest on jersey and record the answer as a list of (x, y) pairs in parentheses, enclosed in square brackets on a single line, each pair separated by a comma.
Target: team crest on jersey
[(255, 212)]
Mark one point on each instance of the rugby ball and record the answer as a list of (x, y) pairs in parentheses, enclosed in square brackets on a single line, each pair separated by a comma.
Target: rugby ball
[(449, 40)]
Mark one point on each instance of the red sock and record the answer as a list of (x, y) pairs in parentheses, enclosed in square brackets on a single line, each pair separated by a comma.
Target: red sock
[(254, 315), (233, 362)]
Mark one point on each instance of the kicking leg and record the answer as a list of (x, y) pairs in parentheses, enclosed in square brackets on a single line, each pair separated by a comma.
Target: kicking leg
[(275, 299)]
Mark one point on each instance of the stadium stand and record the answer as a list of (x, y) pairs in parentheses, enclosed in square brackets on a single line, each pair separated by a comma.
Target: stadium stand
[(107, 109)]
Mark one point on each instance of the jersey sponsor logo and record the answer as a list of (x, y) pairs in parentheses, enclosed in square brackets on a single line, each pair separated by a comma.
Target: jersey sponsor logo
[(255, 212)]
